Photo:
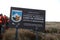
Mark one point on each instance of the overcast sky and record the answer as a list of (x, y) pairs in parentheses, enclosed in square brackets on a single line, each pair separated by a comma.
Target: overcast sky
[(52, 7)]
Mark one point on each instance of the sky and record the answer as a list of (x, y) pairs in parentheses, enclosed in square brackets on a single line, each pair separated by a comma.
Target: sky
[(17, 12), (52, 7)]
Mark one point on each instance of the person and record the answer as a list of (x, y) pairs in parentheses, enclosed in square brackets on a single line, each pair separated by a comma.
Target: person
[(1, 22), (4, 21)]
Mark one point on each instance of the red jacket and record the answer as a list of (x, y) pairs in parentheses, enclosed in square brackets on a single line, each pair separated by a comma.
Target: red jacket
[(1, 19), (6, 21)]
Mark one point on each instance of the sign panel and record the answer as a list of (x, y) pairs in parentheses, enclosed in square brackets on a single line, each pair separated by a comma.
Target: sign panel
[(16, 15), (31, 18)]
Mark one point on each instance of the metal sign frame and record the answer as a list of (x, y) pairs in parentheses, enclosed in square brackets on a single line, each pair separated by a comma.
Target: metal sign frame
[(25, 11)]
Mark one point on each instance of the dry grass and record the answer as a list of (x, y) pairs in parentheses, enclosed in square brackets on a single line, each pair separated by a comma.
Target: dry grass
[(51, 33), (23, 35), (29, 35)]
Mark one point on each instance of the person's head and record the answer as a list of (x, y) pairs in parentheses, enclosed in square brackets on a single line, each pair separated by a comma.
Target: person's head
[(1, 14)]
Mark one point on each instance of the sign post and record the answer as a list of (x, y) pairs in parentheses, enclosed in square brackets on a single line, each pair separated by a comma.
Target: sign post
[(16, 19), (36, 32), (17, 33)]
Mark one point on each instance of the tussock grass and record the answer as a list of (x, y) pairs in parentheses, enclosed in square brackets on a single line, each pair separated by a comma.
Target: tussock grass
[(24, 34)]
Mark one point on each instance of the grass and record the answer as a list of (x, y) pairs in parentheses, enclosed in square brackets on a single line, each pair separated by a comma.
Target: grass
[(51, 33), (30, 35)]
